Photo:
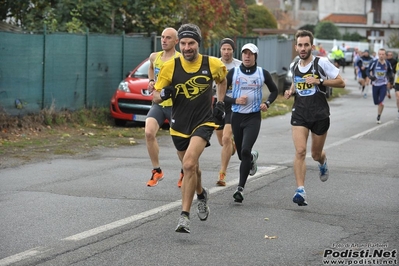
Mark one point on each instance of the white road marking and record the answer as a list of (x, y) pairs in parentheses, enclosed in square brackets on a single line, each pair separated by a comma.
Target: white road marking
[(342, 141), (146, 214), (122, 222), (20, 256), (361, 134), (101, 229)]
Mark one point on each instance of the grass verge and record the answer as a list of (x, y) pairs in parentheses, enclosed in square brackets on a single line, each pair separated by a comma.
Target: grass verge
[(65, 133)]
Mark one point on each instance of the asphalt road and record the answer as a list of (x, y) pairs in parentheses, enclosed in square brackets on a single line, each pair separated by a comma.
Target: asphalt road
[(98, 210)]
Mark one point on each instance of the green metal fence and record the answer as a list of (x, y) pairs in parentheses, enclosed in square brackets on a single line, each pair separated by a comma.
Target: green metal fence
[(74, 71), (66, 71)]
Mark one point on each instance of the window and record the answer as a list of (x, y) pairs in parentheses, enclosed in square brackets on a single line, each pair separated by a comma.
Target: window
[(375, 34)]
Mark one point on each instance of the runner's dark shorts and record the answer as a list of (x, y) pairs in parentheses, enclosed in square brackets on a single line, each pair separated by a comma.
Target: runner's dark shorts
[(396, 86), (226, 120), (317, 127), (227, 117), (204, 132), (160, 113)]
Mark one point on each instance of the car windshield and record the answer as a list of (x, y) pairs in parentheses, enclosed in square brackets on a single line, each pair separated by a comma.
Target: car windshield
[(142, 71)]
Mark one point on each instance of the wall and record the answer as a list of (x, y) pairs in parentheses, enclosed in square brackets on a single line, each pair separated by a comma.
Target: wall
[(390, 12), (353, 7)]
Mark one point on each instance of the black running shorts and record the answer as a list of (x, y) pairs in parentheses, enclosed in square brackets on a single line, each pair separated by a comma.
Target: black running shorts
[(317, 127), (204, 132)]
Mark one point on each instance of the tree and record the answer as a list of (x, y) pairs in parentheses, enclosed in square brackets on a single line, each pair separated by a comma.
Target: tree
[(259, 17), (64, 15), (393, 41), (151, 16), (355, 37), (211, 16), (14, 11), (346, 36), (39, 14), (22, 13), (216, 18), (308, 27), (250, 2), (327, 30), (239, 18)]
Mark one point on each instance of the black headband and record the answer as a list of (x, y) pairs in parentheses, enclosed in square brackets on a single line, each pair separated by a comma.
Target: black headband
[(190, 34), (228, 41)]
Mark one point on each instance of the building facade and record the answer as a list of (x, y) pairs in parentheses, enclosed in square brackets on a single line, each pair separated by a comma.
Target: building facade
[(375, 19)]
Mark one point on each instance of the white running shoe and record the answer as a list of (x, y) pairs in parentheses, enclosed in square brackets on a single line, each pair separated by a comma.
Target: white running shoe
[(203, 208), (254, 165), (183, 225), (300, 197)]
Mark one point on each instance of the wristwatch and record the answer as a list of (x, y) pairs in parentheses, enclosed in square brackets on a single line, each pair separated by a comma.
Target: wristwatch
[(321, 81)]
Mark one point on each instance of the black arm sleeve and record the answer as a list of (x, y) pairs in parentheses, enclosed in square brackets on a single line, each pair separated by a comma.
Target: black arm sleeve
[(390, 73), (359, 63), (271, 86), (229, 78)]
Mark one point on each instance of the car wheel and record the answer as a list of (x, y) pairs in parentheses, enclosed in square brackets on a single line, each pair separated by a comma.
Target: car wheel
[(120, 122)]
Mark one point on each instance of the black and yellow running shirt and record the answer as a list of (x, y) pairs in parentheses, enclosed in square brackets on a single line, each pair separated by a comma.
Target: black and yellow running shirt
[(192, 101), (158, 62)]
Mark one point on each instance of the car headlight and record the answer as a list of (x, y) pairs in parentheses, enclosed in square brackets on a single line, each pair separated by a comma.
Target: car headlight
[(123, 86)]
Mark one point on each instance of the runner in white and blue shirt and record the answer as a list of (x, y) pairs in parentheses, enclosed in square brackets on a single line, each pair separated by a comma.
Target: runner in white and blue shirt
[(247, 82)]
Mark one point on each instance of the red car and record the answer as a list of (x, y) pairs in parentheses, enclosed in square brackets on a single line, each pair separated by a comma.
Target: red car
[(131, 100)]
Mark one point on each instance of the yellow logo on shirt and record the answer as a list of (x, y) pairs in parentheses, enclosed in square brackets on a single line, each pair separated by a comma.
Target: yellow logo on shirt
[(194, 87)]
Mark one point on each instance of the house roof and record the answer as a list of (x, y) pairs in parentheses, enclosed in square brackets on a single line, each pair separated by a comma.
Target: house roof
[(346, 19)]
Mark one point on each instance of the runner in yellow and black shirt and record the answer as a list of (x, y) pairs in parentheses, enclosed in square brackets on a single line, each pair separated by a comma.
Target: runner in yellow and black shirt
[(188, 81), (158, 113)]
